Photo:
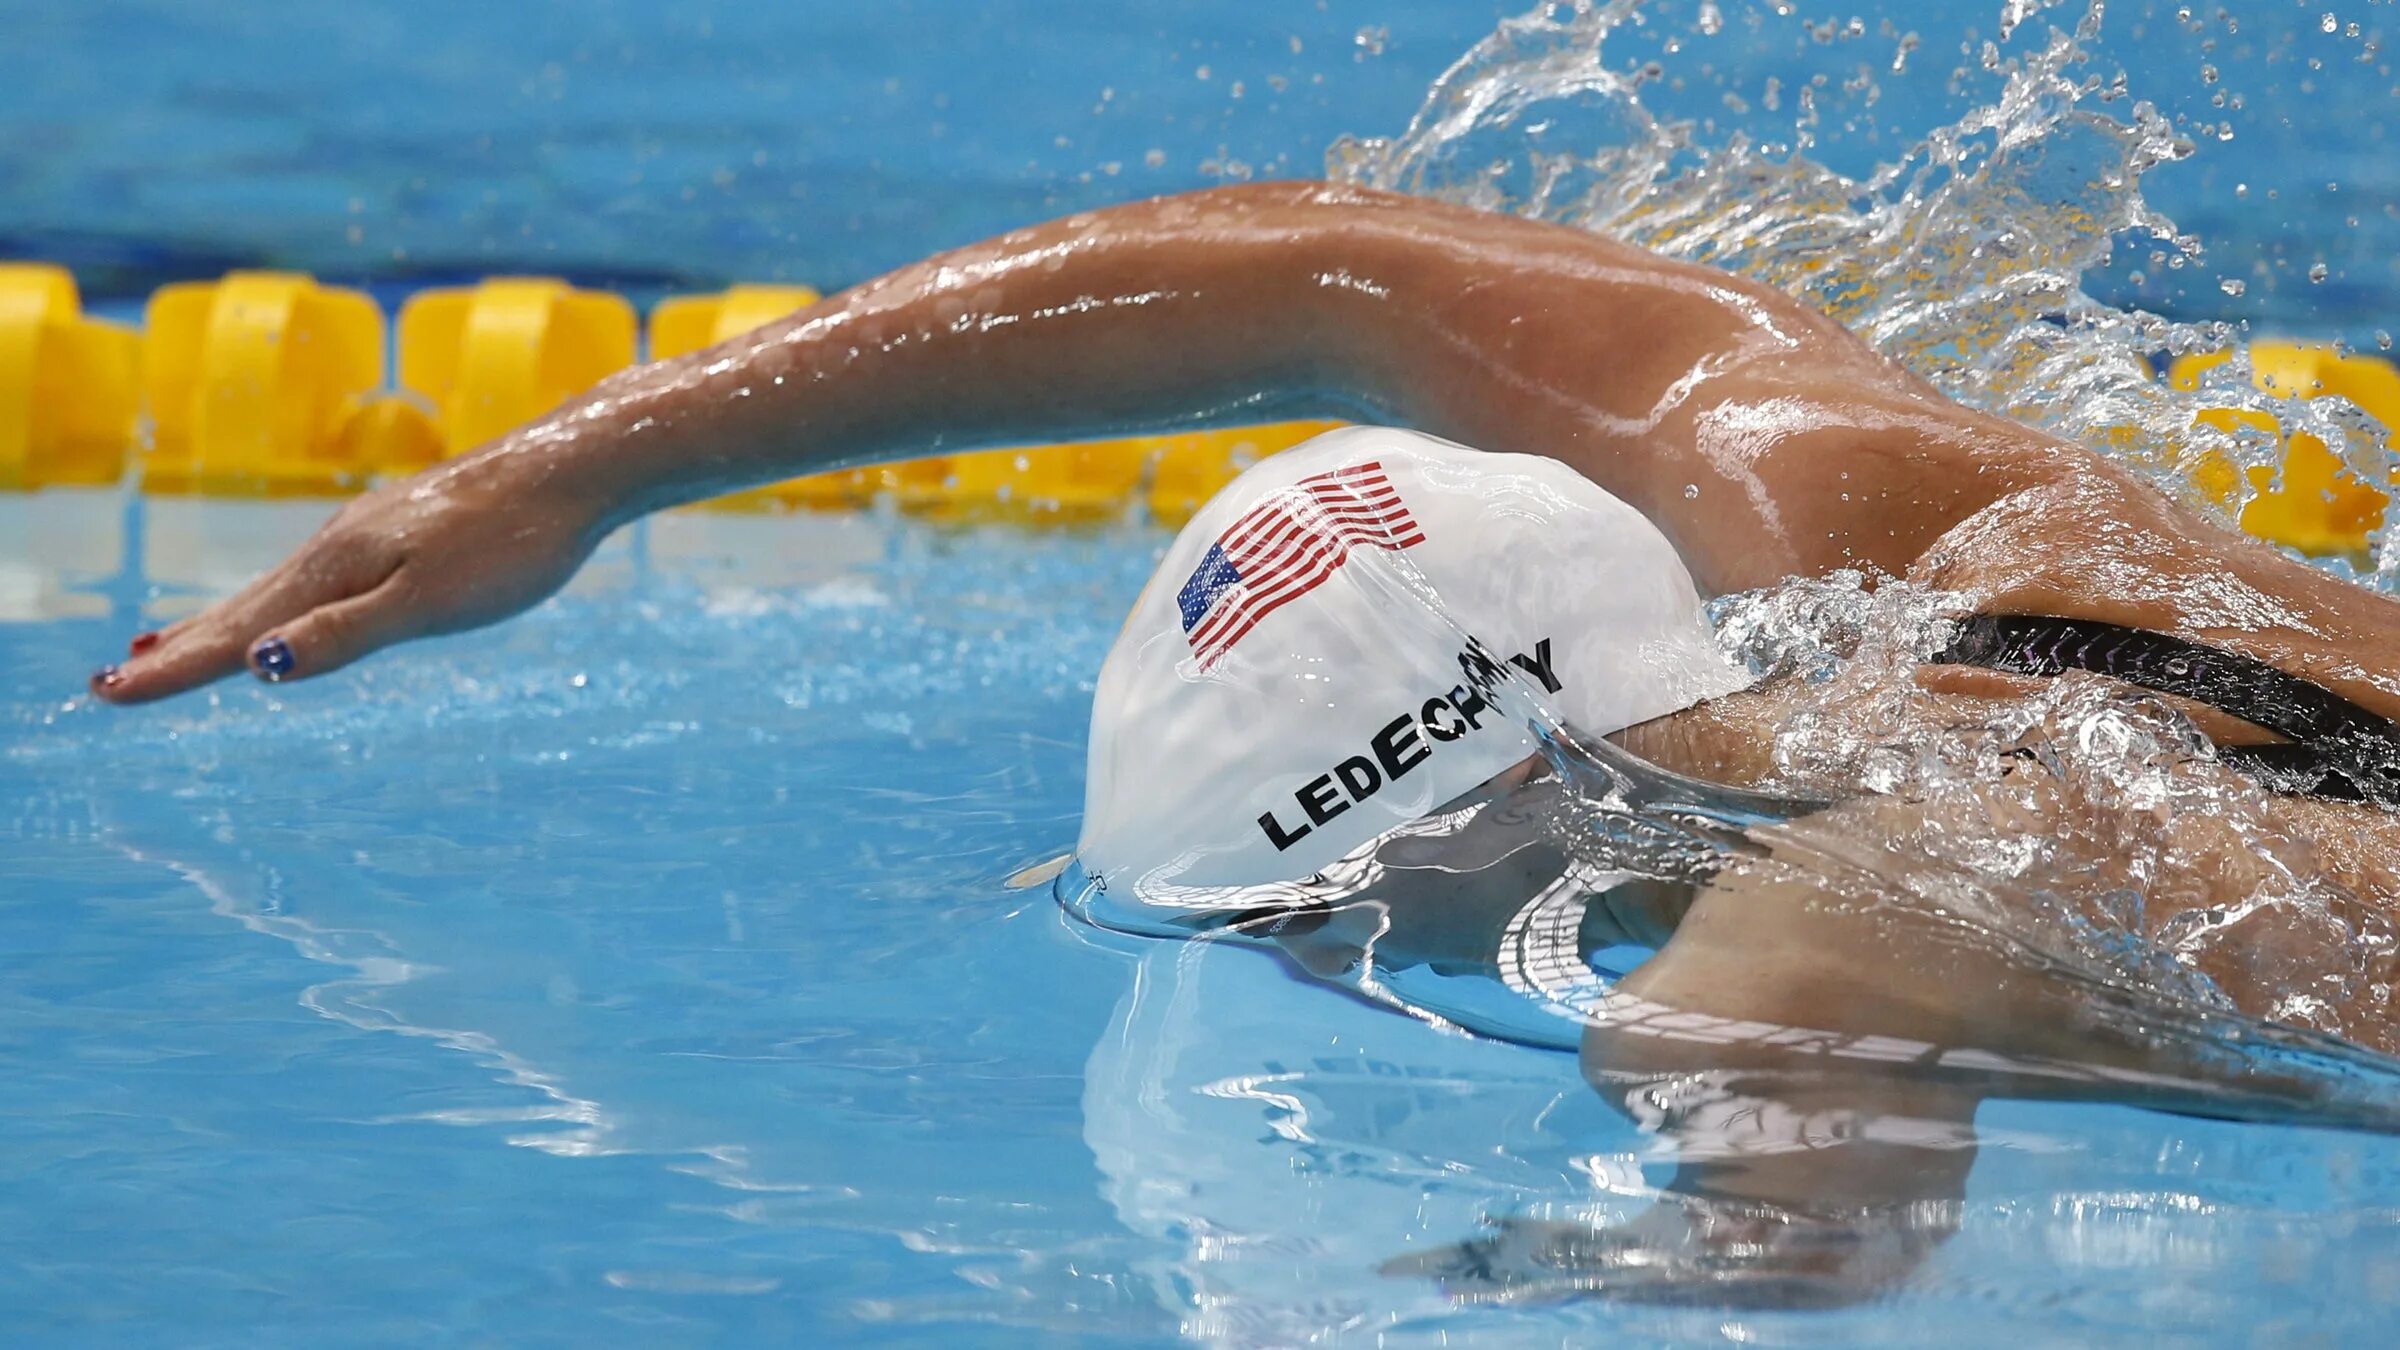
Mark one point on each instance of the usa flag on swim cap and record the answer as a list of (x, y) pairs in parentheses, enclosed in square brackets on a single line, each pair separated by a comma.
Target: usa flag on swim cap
[(1285, 547)]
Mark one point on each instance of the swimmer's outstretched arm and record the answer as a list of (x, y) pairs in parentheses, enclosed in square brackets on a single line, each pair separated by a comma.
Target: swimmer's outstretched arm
[(1764, 439), (1646, 375)]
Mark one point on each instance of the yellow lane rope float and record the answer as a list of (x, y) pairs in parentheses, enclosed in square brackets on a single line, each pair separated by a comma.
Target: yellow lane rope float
[(273, 384), (255, 384), (68, 399), (2319, 506)]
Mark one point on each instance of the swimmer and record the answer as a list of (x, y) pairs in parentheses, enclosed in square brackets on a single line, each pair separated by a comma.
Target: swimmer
[(1352, 715), (1759, 441)]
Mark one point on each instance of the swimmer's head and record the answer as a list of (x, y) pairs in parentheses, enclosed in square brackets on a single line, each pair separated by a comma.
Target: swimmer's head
[(1358, 632)]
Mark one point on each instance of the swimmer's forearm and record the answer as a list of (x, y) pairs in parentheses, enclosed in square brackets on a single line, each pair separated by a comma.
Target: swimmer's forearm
[(1177, 311), (1283, 297)]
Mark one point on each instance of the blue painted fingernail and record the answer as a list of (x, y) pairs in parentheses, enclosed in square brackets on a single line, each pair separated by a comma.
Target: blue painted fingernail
[(273, 658)]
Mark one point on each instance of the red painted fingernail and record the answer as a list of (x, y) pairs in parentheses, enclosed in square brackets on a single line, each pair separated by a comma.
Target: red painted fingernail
[(144, 642), (107, 677)]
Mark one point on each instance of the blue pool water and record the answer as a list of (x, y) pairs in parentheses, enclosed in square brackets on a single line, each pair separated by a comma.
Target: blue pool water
[(658, 142), (641, 973)]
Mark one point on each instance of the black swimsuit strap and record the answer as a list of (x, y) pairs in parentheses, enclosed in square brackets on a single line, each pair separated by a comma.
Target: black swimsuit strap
[(2302, 770), (2339, 749)]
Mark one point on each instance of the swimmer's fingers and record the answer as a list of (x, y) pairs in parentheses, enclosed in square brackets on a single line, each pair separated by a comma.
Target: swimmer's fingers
[(1521, 1259), (332, 636), (226, 637), (454, 548), (1697, 1252)]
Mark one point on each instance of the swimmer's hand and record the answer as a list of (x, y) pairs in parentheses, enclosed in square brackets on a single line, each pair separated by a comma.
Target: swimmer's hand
[(1690, 1252), (466, 543)]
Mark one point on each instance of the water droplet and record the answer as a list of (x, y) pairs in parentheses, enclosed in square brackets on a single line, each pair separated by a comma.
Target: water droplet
[(1371, 40), (2327, 23), (2233, 286), (1712, 19), (1691, 491), (2383, 339), (2317, 273)]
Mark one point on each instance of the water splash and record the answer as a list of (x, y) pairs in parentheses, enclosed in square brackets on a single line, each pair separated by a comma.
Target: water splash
[(1968, 258), (2091, 823), (1965, 257), (2084, 837)]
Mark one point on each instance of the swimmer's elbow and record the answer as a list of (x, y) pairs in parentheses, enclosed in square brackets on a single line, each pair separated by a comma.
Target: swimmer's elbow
[(1320, 220), (1320, 277)]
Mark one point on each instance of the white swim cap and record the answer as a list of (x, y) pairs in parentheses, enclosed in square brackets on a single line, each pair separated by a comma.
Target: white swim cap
[(1321, 655)]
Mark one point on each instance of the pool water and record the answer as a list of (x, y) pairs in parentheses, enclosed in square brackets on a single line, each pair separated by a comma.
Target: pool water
[(636, 971), (642, 973), (655, 143)]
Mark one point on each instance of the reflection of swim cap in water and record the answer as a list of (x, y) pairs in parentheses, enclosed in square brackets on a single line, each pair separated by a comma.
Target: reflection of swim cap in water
[(1355, 632), (1274, 1146)]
